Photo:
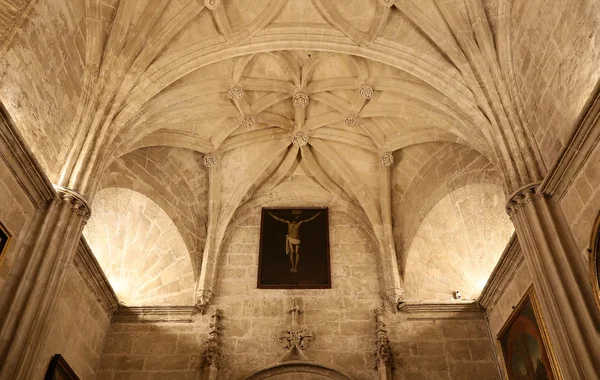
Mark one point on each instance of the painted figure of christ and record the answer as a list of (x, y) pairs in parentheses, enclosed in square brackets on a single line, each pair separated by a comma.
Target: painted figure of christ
[(292, 239)]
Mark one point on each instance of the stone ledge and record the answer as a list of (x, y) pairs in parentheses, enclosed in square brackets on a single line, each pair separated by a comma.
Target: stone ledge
[(89, 269), (451, 309), (509, 263), (144, 314)]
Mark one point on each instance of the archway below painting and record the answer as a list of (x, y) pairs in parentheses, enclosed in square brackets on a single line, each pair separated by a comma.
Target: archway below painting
[(298, 370)]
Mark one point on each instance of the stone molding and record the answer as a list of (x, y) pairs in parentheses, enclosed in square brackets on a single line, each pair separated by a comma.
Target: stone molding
[(154, 314), (585, 137), (78, 202), (22, 163), (92, 274), (508, 265), (467, 309)]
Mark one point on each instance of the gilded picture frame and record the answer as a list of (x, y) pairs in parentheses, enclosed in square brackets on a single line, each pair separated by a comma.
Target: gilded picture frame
[(59, 369), (594, 260), (521, 337), (294, 249), (5, 238)]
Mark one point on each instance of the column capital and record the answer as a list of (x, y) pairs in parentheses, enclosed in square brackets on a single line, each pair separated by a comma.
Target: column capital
[(520, 197), (78, 201)]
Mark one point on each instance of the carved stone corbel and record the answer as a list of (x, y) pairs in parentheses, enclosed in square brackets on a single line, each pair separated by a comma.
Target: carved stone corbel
[(79, 204), (383, 357), (203, 298), (295, 339), (211, 356)]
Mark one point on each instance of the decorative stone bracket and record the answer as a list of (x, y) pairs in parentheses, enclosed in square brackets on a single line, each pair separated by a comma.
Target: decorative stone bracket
[(383, 357), (295, 339), (211, 356)]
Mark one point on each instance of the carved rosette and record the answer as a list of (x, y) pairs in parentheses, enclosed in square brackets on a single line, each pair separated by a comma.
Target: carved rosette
[(366, 91), (386, 159), (79, 204), (299, 337), (211, 356), (520, 198), (212, 4), (351, 121), (247, 121), (300, 99), (235, 93), (382, 354), (387, 3), (300, 139), (210, 160)]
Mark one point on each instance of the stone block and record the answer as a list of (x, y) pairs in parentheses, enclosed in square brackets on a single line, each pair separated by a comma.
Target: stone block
[(118, 343), (174, 376), (473, 370), (129, 362), (167, 362), (458, 350), (131, 376), (457, 329), (155, 343)]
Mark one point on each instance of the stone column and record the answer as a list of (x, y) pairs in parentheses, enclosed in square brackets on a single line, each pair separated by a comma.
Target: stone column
[(31, 292), (560, 282)]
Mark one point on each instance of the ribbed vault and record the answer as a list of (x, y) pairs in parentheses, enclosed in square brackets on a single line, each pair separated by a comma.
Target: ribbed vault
[(139, 93)]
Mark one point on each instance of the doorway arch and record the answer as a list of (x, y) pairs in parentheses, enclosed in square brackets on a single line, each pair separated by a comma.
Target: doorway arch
[(297, 367)]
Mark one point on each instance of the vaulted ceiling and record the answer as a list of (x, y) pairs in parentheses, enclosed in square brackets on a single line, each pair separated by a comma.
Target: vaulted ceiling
[(461, 95)]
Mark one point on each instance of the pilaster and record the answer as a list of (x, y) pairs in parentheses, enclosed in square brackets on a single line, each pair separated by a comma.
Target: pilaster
[(36, 282), (560, 281)]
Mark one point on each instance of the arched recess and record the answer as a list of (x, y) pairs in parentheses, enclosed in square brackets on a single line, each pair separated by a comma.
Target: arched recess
[(450, 224), (176, 180), (140, 250), (298, 370)]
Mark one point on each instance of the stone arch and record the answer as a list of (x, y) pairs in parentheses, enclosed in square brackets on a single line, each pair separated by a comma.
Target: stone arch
[(296, 368)]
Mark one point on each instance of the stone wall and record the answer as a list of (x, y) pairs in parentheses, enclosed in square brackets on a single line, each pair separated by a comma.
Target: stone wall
[(581, 203), (341, 319), (16, 214), (77, 330), (436, 349)]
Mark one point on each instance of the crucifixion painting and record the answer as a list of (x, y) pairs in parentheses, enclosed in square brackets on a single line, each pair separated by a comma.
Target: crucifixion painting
[(294, 248)]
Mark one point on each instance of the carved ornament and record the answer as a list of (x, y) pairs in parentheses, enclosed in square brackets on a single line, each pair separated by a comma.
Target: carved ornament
[(212, 4), (211, 356), (79, 204), (300, 99), (383, 351), (248, 121), (387, 3), (366, 91), (300, 139), (235, 93), (209, 160), (386, 159), (520, 198), (295, 337), (351, 121), (203, 298)]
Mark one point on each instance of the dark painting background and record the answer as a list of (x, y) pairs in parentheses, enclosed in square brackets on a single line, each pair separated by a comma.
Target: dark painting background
[(275, 265)]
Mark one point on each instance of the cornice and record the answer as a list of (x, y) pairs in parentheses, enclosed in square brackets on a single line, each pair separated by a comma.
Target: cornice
[(144, 314), (91, 273), (21, 161), (451, 309), (573, 157), (508, 265)]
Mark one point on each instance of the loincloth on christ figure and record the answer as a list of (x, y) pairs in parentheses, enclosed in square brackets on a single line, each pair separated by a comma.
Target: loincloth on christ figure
[(290, 242)]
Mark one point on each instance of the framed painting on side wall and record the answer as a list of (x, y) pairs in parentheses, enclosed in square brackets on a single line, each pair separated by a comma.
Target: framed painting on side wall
[(60, 370), (4, 241), (525, 345), (595, 260), (294, 249)]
